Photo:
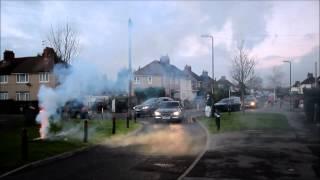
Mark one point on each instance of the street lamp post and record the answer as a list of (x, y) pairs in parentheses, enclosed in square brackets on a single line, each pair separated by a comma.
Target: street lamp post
[(290, 84), (129, 68), (212, 84)]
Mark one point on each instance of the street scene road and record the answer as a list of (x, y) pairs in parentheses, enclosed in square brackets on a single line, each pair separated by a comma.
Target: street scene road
[(157, 151), (159, 90)]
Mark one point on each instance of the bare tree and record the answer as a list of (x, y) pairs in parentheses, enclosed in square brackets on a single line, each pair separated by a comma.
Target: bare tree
[(242, 69), (64, 40)]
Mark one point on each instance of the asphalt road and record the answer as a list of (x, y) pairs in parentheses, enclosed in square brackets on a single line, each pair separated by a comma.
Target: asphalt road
[(159, 151)]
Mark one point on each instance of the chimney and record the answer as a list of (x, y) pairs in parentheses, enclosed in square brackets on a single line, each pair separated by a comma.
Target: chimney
[(187, 68), (48, 52), (223, 77), (165, 59), (7, 55), (310, 75), (205, 73)]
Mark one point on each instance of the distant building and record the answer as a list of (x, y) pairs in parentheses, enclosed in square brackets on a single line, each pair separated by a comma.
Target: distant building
[(225, 84), (21, 78), (205, 83), (308, 83), (296, 88), (195, 80), (160, 73)]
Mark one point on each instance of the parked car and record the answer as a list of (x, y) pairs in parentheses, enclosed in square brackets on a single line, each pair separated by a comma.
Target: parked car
[(169, 111), (232, 103), (76, 109), (98, 105), (148, 107), (250, 102)]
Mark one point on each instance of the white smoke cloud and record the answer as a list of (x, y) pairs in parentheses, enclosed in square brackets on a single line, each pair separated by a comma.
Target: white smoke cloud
[(75, 82)]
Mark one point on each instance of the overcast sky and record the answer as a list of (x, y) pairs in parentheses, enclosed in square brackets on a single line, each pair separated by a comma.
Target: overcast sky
[(273, 31)]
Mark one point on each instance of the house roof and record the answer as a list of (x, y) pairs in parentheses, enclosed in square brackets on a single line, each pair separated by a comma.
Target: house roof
[(158, 68), (187, 70), (310, 79), (34, 64), (205, 77), (224, 81)]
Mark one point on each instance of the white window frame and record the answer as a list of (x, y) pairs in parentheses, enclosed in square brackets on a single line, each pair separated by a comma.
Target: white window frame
[(44, 77), (136, 80), (18, 80), (4, 95), (4, 79), (22, 95), (149, 79)]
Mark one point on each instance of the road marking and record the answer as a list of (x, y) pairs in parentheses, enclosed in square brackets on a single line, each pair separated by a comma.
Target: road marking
[(200, 155)]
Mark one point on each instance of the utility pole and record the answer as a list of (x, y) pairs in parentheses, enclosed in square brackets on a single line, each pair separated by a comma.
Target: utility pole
[(290, 84), (316, 74), (212, 54), (130, 68)]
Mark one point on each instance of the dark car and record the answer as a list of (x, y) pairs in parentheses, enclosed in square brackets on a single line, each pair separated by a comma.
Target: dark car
[(232, 103), (76, 109), (169, 111), (250, 102), (148, 107)]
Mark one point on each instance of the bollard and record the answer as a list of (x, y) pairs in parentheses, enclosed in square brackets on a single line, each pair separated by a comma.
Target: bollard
[(217, 117), (102, 113), (128, 118), (24, 144), (135, 118), (85, 128), (113, 125)]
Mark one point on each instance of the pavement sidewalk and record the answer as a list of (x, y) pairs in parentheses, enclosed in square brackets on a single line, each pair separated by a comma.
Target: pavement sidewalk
[(256, 155)]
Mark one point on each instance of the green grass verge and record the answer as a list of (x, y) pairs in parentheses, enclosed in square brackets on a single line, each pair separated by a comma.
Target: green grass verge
[(237, 121), (98, 130)]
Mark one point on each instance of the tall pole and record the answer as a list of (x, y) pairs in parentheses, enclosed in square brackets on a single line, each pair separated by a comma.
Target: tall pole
[(290, 89), (130, 68), (316, 74), (212, 83), (290, 84), (212, 43)]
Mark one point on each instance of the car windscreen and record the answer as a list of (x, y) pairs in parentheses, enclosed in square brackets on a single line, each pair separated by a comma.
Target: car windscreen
[(149, 101), (249, 99), (169, 105), (225, 101)]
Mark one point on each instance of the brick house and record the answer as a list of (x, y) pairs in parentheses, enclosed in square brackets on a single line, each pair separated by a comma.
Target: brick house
[(160, 73), (195, 80), (205, 83), (21, 78)]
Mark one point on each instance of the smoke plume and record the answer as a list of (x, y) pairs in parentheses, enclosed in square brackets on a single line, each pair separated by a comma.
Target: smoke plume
[(74, 83)]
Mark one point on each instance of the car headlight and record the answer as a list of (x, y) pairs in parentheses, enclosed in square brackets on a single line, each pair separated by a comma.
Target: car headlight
[(177, 113), (156, 113), (252, 103), (145, 107)]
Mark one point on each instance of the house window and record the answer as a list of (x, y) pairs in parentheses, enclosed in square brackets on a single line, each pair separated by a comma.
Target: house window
[(149, 79), (3, 79), (137, 80), (44, 77), (22, 96), (4, 96), (22, 78)]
